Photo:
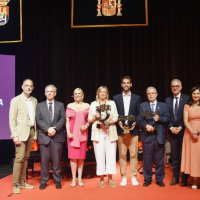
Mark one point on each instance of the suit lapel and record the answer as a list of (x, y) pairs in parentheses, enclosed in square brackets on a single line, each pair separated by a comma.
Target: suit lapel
[(147, 106), (171, 103), (181, 102), (24, 104), (131, 103), (158, 107), (34, 107), (55, 109), (46, 110), (121, 101)]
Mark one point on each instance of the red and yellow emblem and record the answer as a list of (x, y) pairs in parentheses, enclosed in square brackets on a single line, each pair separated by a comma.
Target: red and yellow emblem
[(4, 12), (109, 7)]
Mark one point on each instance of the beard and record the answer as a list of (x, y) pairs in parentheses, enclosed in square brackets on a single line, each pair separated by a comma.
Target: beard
[(27, 91), (126, 89)]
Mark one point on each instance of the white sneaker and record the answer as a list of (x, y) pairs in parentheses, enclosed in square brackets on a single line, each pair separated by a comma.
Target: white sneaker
[(123, 182), (194, 187), (134, 182)]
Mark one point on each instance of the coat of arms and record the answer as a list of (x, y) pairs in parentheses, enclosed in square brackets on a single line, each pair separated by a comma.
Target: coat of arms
[(4, 12), (109, 7)]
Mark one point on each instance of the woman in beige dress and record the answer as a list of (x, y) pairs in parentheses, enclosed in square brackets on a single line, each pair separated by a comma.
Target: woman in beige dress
[(190, 163)]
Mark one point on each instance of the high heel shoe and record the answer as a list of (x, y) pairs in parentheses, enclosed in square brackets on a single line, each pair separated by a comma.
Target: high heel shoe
[(73, 184), (81, 184), (194, 187)]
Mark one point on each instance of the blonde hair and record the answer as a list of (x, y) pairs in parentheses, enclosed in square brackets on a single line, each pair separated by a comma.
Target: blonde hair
[(99, 90), (79, 90)]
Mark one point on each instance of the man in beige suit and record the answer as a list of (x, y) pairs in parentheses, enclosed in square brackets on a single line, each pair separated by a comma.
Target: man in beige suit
[(23, 131)]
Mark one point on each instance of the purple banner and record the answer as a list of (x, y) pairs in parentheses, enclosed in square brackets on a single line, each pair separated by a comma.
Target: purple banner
[(7, 92)]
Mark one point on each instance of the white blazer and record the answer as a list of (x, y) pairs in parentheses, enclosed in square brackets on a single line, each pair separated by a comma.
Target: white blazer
[(112, 131)]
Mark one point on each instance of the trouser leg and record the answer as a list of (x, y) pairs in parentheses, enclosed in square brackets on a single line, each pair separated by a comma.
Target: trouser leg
[(111, 156), (19, 159), (45, 158), (133, 149), (56, 153), (100, 152), (29, 143), (122, 155), (159, 161), (148, 150)]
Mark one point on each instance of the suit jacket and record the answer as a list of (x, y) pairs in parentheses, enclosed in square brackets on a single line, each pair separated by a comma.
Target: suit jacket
[(160, 125), (184, 99), (19, 119), (112, 131), (44, 122), (133, 110)]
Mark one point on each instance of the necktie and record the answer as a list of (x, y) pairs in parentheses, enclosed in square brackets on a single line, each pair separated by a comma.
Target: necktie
[(176, 109), (50, 111), (152, 109)]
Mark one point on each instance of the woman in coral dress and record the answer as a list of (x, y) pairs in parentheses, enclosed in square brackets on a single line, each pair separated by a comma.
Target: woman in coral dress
[(77, 134), (190, 163)]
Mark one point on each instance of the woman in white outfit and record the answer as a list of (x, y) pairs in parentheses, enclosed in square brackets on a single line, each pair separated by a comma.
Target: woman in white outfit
[(103, 114)]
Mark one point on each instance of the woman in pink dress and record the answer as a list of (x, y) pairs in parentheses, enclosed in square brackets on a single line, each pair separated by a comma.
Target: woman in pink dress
[(77, 134), (190, 163)]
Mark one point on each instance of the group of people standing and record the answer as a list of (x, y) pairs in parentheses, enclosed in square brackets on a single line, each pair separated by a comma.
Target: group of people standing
[(180, 112)]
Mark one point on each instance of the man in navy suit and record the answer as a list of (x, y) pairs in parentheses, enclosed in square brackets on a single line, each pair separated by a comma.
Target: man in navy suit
[(176, 126), (50, 118), (128, 104), (153, 136)]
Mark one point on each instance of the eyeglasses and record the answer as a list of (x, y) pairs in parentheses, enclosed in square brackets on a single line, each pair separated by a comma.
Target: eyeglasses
[(151, 93), (50, 91), (175, 86), (28, 85)]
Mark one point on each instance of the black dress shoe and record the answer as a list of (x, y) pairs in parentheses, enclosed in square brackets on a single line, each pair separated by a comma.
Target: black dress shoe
[(42, 186), (160, 183), (183, 183), (174, 181), (58, 185), (146, 183)]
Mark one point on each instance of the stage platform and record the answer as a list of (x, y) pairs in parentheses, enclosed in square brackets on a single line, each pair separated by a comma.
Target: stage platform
[(92, 191)]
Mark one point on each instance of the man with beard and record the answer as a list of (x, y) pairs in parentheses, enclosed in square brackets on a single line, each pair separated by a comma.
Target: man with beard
[(128, 104), (23, 131)]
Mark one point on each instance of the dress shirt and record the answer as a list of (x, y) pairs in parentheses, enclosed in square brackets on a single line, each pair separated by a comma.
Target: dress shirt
[(155, 104), (174, 101), (52, 107), (30, 110), (126, 100)]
